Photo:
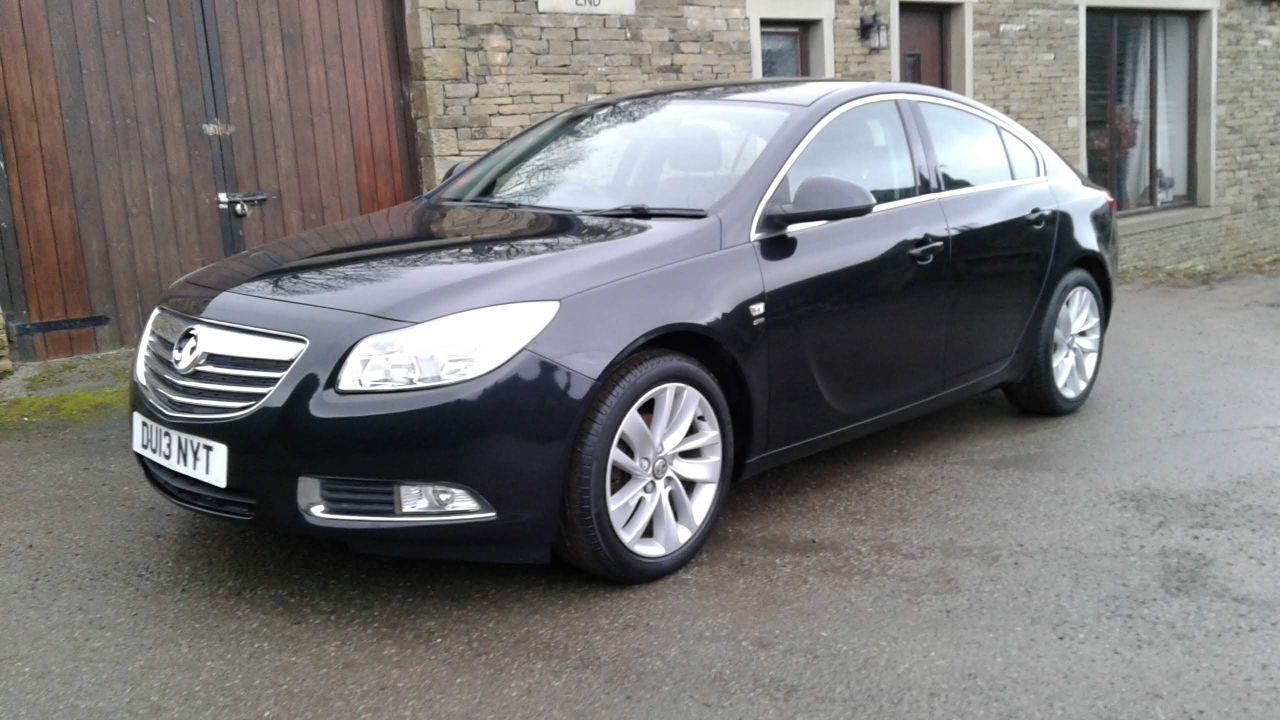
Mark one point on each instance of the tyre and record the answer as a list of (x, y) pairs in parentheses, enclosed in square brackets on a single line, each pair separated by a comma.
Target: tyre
[(1068, 350), (650, 470)]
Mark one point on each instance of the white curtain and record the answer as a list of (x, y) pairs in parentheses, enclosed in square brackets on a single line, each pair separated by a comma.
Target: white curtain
[(1134, 112), (1171, 35), (1173, 107)]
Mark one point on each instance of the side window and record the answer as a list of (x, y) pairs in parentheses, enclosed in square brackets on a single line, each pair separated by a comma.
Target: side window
[(968, 148), (1021, 158), (866, 145)]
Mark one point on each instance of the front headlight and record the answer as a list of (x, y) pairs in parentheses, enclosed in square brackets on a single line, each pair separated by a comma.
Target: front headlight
[(445, 350)]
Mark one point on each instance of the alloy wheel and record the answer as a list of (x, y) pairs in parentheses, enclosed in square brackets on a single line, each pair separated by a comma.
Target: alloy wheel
[(664, 470), (1077, 339)]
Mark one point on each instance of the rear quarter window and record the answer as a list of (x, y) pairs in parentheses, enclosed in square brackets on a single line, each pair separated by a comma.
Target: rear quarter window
[(969, 150), (1022, 159)]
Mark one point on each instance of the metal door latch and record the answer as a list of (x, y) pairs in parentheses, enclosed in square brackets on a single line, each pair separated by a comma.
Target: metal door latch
[(239, 203)]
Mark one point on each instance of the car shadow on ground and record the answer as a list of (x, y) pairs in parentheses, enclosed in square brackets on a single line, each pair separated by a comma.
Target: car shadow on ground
[(262, 570)]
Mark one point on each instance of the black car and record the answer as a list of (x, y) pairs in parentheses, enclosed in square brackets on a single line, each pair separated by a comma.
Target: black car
[(578, 342)]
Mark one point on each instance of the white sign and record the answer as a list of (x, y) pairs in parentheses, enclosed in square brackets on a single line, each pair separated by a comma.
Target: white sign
[(592, 7)]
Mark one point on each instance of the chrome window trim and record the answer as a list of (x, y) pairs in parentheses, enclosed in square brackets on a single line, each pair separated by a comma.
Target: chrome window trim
[(1007, 125), (957, 192), (230, 344)]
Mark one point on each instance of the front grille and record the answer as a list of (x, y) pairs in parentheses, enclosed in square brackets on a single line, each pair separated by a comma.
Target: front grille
[(358, 497), (219, 501), (231, 370)]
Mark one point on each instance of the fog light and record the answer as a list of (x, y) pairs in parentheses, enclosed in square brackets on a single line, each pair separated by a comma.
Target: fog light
[(438, 498)]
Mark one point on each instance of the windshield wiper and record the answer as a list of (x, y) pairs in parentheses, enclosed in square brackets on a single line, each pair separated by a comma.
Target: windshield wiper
[(644, 212), (506, 204)]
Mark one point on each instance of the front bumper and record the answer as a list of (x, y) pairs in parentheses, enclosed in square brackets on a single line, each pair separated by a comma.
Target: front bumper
[(508, 435)]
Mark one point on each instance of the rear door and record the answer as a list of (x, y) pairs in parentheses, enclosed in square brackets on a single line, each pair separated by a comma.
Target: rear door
[(854, 309), (1002, 219)]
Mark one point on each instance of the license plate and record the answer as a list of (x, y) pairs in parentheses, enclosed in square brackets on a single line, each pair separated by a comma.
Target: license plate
[(195, 457)]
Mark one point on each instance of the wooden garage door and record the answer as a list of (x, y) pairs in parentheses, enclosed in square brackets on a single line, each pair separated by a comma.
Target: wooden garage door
[(123, 120), (313, 92)]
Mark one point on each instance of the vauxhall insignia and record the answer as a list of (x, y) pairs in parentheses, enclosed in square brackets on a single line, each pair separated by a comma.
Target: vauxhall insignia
[(186, 351)]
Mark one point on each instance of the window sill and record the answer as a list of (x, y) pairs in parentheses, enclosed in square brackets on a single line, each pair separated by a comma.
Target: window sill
[(1161, 219)]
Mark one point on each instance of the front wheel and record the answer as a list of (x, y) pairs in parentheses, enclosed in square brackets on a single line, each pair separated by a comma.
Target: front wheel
[(651, 468), (1068, 350)]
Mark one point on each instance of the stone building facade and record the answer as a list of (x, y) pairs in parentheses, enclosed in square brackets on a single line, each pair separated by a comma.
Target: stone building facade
[(484, 69)]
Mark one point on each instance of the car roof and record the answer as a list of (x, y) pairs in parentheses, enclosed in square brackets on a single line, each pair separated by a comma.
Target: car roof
[(786, 92), (798, 92)]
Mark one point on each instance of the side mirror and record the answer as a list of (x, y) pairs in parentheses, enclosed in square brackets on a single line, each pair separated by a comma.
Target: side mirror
[(457, 168), (822, 198)]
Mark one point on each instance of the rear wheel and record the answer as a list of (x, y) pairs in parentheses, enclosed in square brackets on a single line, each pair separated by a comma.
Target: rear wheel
[(1068, 350), (650, 471)]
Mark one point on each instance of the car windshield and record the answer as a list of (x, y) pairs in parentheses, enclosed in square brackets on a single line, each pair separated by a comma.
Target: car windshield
[(658, 152)]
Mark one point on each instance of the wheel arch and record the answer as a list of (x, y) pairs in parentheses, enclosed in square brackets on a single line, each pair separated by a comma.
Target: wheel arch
[(727, 369), (1095, 266)]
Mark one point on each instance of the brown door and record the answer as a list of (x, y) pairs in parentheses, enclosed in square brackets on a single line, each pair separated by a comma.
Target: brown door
[(109, 176), (121, 122), (923, 38), (314, 95)]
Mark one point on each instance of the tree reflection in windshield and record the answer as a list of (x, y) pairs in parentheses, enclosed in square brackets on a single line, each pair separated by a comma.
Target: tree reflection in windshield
[(659, 151)]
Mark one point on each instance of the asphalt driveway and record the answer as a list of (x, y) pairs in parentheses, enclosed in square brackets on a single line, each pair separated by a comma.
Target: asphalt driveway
[(1124, 562)]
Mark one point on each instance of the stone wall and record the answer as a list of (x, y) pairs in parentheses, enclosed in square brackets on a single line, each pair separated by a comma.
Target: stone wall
[(483, 70), (854, 59), (1025, 64)]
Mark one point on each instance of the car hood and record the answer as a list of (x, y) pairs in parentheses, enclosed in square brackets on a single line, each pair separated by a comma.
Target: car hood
[(421, 260)]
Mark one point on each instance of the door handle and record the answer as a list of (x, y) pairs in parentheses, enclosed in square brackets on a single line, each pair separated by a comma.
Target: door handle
[(239, 203), (1038, 218), (923, 254)]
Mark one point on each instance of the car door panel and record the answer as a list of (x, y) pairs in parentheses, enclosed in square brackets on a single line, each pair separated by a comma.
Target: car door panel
[(1001, 245), (1001, 219), (855, 322)]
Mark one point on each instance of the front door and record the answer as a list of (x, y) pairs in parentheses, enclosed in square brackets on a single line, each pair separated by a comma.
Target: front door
[(923, 38), (855, 317)]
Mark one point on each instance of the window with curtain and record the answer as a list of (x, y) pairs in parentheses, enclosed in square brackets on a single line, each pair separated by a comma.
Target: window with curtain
[(1140, 88)]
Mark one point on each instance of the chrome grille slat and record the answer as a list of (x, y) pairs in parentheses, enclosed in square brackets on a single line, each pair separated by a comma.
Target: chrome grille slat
[(199, 385), (201, 402), (236, 369), (238, 372), (217, 380)]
